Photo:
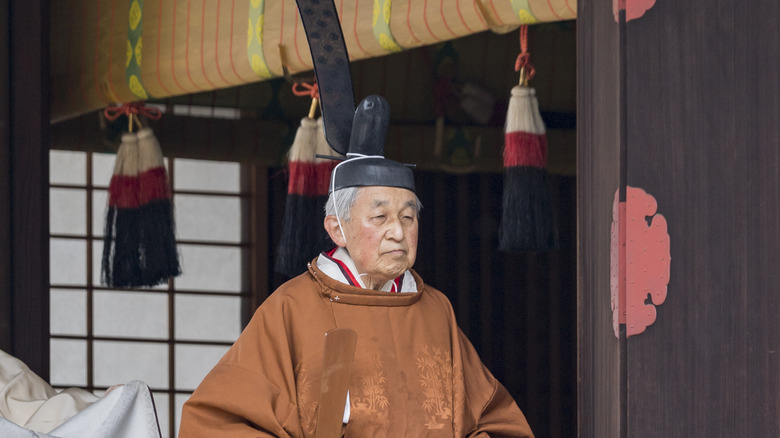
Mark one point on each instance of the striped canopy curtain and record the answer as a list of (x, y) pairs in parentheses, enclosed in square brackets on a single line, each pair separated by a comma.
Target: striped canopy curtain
[(109, 51)]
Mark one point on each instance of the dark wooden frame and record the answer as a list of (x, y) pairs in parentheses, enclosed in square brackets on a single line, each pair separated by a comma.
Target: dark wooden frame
[(598, 158), (25, 265), (5, 180)]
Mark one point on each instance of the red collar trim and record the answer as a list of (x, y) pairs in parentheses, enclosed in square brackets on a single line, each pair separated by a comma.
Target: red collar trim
[(344, 269)]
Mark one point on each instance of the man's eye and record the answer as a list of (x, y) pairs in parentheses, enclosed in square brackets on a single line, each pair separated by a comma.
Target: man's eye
[(381, 216)]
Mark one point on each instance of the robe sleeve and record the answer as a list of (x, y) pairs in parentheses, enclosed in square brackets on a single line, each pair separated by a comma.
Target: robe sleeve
[(248, 393), (495, 412), (234, 402)]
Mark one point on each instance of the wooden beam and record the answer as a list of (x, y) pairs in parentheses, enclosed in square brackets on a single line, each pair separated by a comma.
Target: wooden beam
[(467, 149)]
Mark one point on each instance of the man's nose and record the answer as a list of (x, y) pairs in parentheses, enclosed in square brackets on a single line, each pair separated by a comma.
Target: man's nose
[(395, 230)]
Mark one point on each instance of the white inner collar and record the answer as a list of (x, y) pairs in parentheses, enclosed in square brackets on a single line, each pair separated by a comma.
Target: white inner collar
[(333, 270)]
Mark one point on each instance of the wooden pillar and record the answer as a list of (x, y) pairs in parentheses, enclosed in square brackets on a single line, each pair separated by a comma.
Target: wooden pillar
[(598, 171), (257, 269), (29, 191), (693, 114), (5, 183)]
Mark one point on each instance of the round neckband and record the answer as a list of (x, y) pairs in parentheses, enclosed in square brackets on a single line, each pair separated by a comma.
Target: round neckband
[(341, 293)]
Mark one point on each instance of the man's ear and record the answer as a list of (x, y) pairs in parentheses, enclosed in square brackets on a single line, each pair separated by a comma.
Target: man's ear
[(332, 227)]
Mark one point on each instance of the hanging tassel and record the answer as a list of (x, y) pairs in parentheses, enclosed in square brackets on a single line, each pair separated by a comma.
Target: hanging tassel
[(303, 236), (158, 252), (526, 221), (121, 265), (139, 247)]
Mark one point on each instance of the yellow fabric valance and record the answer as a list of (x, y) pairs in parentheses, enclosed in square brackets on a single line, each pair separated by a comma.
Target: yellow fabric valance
[(105, 52)]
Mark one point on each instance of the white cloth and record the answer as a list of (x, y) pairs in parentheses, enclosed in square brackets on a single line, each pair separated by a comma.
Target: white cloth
[(30, 407), (29, 401), (333, 270)]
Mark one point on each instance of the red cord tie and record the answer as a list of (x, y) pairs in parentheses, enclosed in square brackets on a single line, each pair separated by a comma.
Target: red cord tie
[(523, 62), (311, 90), (132, 108)]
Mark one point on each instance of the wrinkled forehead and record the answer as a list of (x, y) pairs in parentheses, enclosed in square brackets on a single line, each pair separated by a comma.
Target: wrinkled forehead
[(372, 197)]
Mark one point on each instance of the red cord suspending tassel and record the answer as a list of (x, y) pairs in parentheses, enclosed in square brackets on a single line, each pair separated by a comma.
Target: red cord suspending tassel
[(523, 62), (132, 108), (311, 90)]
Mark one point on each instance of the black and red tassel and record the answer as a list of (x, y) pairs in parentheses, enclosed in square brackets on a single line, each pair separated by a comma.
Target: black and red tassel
[(158, 251), (527, 220), (121, 264), (303, 236), (139, 246)]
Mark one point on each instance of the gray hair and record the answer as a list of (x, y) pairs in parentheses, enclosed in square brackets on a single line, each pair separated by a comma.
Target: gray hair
[(342, 200)]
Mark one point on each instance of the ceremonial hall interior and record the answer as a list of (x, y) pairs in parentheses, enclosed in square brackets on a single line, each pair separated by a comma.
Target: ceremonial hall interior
[(671, 104)]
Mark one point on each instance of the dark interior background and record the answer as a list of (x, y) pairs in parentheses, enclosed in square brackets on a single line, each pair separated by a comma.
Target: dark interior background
[(518, 309)]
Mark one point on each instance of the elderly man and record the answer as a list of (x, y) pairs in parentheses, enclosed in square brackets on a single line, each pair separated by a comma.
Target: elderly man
[(414, 372)]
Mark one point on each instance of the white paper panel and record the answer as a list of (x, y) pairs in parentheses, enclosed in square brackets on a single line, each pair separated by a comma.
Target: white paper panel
[(68, 362), (211, 176), (208, 318), (210, 268), (66, 167), (68, 312), (68, 211), (68, 261), (131, 314), (121, 362), (209, 218)]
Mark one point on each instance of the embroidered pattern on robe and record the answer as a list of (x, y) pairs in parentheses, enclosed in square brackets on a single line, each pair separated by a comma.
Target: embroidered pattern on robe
[(459, 398), (435, 368), (306, 402), (369, 398)]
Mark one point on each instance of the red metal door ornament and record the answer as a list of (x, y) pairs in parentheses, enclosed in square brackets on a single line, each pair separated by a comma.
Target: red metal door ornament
[(634, 8), (640, 261)]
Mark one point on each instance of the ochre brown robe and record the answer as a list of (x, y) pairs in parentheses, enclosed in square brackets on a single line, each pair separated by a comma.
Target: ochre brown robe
[(414, 375)]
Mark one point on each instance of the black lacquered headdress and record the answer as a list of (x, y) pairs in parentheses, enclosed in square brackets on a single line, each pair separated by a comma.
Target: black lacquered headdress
[(357, 133)]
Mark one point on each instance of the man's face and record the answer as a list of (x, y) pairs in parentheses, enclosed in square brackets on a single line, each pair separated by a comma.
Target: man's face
[(382, 232)]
